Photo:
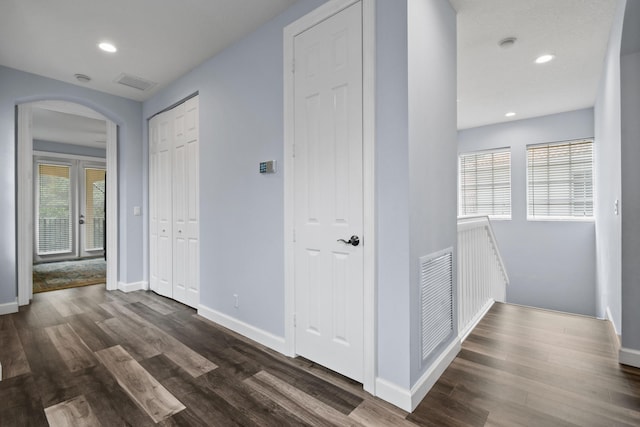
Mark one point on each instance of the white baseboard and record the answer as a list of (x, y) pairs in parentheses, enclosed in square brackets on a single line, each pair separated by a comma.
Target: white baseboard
[(394, 394), (437, 368), (265, 338), (8, 308), (610, 319), (628, 356), (408, 400), (135, 286), (613, 329), (476, 319)]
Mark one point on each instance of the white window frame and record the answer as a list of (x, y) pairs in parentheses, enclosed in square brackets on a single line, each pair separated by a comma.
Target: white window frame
[(591, 218), (506, 150)]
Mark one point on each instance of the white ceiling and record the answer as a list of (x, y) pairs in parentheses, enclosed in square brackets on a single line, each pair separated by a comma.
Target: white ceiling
[(49, 125), (493, 81), (157, 40), (160, 40)]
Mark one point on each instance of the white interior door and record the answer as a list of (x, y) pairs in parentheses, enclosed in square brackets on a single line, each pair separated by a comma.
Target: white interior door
[(328, 193), (185, 203)]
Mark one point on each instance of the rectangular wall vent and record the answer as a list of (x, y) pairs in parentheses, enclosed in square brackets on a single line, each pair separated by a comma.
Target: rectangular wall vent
[(135, 82), (436, 297)]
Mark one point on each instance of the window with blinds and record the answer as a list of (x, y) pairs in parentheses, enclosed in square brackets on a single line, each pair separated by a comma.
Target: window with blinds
[(560, 180), (485, 184), (94, 207), (54, 209)]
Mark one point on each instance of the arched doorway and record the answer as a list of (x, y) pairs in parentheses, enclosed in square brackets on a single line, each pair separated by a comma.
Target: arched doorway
[(25, 220)]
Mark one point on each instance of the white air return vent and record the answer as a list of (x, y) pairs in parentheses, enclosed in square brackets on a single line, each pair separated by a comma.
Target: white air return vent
[(135, 82), (436, 298)]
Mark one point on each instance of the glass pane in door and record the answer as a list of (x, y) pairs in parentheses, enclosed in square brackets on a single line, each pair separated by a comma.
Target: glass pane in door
[(94, 208), (54, 209)]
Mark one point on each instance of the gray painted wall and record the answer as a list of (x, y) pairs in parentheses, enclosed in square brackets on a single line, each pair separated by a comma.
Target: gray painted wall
[(630, 108), (608, 182), (17, 87), (241, 124), (241, 211), (61, 148), (550, 263), (432, 149), (392, 192)]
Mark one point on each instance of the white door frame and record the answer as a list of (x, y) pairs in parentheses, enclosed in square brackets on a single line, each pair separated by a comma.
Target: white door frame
[(369, 241), (25, 192)]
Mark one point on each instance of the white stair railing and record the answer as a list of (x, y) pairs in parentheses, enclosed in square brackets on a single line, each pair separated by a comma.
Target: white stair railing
[(482, 277)]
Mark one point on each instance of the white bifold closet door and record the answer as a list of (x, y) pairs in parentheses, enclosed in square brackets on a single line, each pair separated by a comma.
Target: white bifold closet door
[(173, 203)]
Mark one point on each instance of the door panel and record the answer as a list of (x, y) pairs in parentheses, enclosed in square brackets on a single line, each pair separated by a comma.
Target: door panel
[(54, 210), (180, 188), (328, 190), (192, 208), (92, 210), (164, 210)]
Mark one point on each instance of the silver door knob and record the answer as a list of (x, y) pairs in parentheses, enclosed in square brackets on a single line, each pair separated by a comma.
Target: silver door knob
[(353, 241)]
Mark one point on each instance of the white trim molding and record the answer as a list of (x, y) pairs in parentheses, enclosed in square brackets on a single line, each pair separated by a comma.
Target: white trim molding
[(25, 220), (609, 317), (25, 204), (9, 307), (394, 394), (628, 356), (476, 319), (316, 16), (112, 206), (436, 369), (132, 287), (258, 335), (409, 400)]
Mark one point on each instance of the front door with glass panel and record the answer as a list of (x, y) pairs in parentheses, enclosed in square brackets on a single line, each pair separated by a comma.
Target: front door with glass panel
[(92, 213), (69, 209)]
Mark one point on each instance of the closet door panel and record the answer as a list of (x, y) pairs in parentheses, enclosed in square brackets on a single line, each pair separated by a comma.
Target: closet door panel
[(153, 204), (191, 141), (180, 194), (164, 202), (173, 202)]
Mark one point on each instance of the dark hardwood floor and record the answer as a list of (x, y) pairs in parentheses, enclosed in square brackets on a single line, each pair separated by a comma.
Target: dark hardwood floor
[(85, 357)]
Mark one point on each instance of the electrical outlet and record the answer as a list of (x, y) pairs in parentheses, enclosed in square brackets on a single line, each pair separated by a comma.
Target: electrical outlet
[(236, 301)]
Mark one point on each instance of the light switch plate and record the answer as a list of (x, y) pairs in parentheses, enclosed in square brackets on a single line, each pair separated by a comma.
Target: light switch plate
[(136, 211)]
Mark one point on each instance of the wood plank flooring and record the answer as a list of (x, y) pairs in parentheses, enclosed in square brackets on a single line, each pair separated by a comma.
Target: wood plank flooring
[(86, 357)]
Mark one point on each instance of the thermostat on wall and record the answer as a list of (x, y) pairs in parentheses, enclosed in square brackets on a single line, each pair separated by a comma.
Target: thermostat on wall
[(268, 167)]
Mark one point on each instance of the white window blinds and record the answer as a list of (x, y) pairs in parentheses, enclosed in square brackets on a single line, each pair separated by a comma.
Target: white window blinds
[(485, 184), (54, 209), (560, 180), (94, 197)]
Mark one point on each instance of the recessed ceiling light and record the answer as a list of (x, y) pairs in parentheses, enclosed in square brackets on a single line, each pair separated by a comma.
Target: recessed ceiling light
[(107, 47), (82, 78), (544, 58), (510, 114)]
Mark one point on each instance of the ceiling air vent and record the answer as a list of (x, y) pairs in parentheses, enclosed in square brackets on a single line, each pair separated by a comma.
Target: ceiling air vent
[(135, 82)]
